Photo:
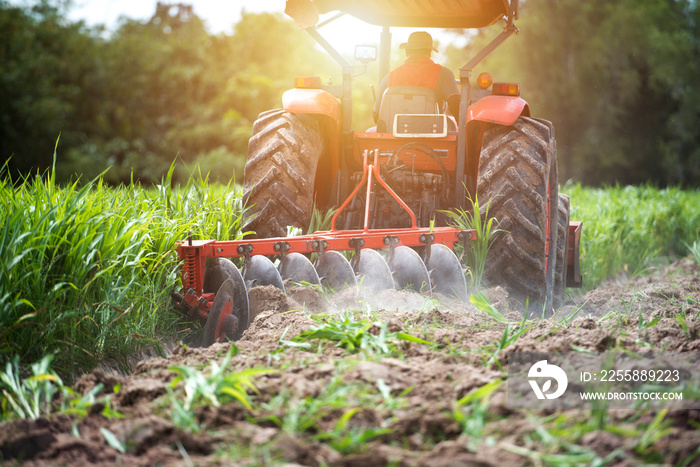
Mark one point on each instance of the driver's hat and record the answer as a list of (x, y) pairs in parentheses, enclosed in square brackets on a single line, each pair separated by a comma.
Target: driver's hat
[(419, 40)]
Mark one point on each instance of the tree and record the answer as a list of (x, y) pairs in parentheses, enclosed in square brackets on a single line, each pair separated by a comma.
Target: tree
[(617, 80), (153, 91), (45, 62)]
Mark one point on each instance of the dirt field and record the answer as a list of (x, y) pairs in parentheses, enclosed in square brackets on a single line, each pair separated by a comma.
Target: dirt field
[(393, 401)]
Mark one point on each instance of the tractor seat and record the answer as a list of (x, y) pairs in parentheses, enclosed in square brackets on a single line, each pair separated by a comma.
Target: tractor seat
[(404, 100)]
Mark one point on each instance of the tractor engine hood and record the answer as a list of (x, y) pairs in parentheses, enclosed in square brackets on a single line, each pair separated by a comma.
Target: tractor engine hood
[(406, 13)]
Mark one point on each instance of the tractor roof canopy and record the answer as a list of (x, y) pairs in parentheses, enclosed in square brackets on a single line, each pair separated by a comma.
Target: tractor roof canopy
[(406, 13)]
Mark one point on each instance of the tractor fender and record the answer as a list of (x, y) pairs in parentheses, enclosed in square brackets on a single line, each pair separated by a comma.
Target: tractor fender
[(321, 104), (311, 101), (502, 110)]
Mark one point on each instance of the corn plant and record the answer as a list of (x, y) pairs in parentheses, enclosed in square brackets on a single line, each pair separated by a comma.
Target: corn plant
[(556, 451), (694, 250), (355, 336), (470, 412), (480, 301), (348, 440), (30, 397), (655, 431), (320, 220), (486, 229), (218, 385), (43, 393), (296, 415), (510, 334)]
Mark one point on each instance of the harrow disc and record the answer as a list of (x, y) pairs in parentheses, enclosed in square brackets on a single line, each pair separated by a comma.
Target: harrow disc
[(260, 271), (446, 273), (409, 270), (228, 316), (297, 267), (335, 271), (216, 273), (375, 271)]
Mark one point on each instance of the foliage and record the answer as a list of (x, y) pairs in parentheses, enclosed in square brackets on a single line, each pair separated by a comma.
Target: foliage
[(87, 270), (298, 416), (217, 384), (301, 415), (369, 337), (511, 333), (30, 397), (151, 91), (622, 224), (471, 412), (621, 90), (321, 221), (43, 393), (47, 82), (620, 86), (694, 250), (485, 230), (557, 451), (217, 387), (346, 439), (480, 301)]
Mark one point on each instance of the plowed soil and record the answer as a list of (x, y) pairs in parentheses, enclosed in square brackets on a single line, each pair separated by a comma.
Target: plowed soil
[(322, 403)]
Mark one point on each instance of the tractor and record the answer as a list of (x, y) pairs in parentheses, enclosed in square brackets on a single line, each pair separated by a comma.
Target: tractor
[(391, 184)]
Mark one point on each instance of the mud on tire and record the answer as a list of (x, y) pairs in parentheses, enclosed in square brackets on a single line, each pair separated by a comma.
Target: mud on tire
[(283, 155), (517, 177)]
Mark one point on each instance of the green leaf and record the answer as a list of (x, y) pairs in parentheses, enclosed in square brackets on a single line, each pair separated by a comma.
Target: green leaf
[(480, 393), (112, 440), (482, 303), (407, 337)]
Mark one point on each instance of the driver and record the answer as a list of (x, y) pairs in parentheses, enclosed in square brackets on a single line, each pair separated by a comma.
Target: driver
[(420, 70)]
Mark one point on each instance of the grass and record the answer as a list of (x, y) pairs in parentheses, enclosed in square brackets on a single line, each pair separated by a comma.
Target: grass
[(471, 412), (218, 386), (625, 227), (485, 232), (42, 393), (372, 338), (87, 269), (694, 250)]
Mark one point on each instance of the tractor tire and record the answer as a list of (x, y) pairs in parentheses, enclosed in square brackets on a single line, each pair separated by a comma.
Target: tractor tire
[(562, 252), (517, 183), (283, 155)]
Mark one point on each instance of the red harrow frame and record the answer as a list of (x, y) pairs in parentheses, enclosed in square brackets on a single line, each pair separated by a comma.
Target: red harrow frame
[(199, 303)]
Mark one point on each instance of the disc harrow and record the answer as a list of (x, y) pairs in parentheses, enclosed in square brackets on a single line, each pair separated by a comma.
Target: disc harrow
[(224, 312), (216, 291)]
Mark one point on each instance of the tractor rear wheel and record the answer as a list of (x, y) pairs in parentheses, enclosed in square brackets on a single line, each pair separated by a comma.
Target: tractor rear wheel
[(562, 252), (517, 183), (283, 155)]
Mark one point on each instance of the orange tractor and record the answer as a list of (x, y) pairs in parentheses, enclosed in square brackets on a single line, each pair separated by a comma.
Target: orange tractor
[(390, 184)]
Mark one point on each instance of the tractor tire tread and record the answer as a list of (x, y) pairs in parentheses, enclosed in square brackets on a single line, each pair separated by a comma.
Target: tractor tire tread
[(516, 164), (283, 156)]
